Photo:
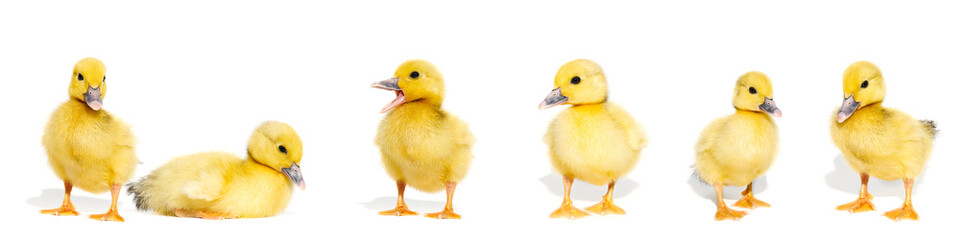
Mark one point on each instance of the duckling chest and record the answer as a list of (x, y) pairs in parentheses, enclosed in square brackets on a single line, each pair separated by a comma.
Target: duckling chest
[(257, 194), (748, 137), (587, 128), (415, 131), (89, 133)]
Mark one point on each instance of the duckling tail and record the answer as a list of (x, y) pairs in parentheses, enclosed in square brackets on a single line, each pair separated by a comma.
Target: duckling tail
[(137, 189), (931, 127)]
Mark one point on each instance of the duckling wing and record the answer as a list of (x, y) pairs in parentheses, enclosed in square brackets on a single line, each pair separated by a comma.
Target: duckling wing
[(635, 134)]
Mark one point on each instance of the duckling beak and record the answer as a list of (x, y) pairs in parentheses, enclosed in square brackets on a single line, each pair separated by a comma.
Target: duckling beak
[(553, 99), (770, 107), (92, 97), (393, 85), (293, 172), (847, 108)]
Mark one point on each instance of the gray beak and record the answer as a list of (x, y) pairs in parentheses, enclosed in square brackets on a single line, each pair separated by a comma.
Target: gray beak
[(770, 107), (293, 172), (553, 99), (847, 109), (92, 97), (389, 84)]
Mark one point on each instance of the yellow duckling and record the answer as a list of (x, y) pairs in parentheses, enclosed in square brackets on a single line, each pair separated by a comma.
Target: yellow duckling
[(736, 149), (594, 140), (420, 143), (877, 141), (88, 147), (221, 185)]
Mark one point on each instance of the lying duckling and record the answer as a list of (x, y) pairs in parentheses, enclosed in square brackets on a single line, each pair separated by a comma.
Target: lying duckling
[(222, 185), (594, 140), (420, 143), (87, 146), (876, 141), (736, 149)]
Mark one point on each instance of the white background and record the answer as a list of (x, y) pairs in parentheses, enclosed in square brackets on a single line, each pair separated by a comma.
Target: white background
[(194, 77)]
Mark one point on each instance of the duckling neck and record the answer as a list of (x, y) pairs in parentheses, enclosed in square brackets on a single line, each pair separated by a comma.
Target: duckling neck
[(750, 113)]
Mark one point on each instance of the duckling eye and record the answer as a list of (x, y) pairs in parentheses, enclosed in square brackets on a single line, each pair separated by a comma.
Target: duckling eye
[(575, 80), (282, 149), (414, 74), (753, 90), (864, 84), (104, 79), (79, 77)]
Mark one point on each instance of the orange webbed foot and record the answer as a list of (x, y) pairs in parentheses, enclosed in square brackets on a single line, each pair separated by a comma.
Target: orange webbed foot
[(399, 211), (65, 210), (903, 213), (112, 215), (567, 210), (750, 202), (862, 204), (725, 213), (606, 207), (447, 213)]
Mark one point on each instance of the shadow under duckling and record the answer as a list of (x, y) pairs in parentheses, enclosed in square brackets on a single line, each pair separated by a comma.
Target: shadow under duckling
[(594, 140), (222, 185), (88, 147), (421, 144), (877, 141), (736, 149)]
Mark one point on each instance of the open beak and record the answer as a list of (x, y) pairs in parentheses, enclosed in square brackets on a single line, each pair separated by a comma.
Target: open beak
[(393, 85), (770, 107), (293, 172), (847, 108), (553, 99), (92, 97)]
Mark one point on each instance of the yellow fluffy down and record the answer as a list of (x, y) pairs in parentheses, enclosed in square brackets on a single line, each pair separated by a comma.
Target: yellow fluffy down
[(884, 143), (220, 183), (91, 149), (736, 149), (424, 146), (596, 143)]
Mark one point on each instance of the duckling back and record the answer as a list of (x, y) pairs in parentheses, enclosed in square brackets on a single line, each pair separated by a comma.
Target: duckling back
[(596, 143)]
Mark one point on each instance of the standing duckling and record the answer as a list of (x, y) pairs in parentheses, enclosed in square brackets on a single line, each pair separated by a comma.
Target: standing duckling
[(88, 147), (594, 140), (421, 144), (736, 149), (221, 185), (876, 141)]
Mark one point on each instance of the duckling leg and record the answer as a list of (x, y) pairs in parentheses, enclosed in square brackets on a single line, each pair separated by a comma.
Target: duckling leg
[(401, 209), (66, 209), (723, 212), (606, 206), (567, 210), (447, 212), (198, 214), (862, 204), (112, 214), (748, 201), (905, 212)]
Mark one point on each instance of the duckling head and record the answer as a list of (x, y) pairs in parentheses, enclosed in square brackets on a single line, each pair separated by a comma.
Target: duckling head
[(862, 85), (277, 145), (414, 81), (577, 82), (754, 92), (89, 82)]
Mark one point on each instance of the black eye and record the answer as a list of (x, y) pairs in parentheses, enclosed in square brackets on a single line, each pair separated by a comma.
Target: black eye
[(414, 74), (575, 80), (283, 149), (864, 84), (80, 77), (753, 90), (104, 78)]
